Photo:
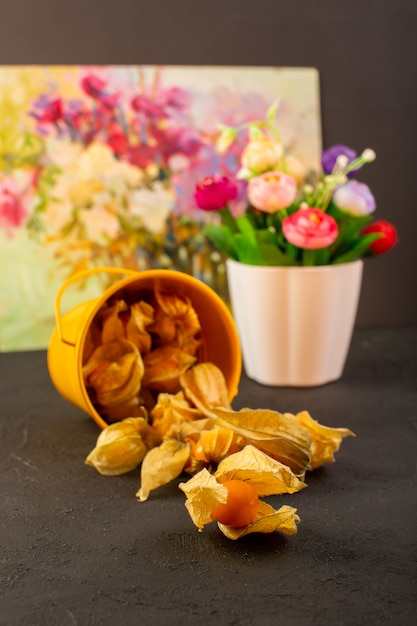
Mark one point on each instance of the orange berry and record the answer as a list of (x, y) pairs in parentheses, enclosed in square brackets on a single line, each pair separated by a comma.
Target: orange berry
[(241, 506)]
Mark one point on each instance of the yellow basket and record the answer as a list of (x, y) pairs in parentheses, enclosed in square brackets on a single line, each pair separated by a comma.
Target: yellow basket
[(219, 338)]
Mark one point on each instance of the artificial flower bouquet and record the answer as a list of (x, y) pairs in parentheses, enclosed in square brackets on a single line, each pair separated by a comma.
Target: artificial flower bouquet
[(292, 218)]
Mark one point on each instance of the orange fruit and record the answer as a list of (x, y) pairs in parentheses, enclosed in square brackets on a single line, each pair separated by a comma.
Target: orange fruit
[(241, 506)]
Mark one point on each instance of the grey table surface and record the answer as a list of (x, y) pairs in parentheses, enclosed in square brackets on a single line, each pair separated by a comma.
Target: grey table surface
[(78, 548)]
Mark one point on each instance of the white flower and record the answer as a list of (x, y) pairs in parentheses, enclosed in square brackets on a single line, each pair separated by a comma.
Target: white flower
[(152, 205), (62, 152), (98, 222)]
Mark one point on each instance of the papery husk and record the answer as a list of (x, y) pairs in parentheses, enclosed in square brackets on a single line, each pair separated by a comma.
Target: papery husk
[(163, 368), (205, 386), (325, 441), (172, 409), (114, 371), (203, 492), (189, 430), (176, 322), (141, 316), (120, 412), (120, 447), (266, 475), (112, 326), (276, 434), (218, 443), (267, 520), (161, 465), (211, 447)]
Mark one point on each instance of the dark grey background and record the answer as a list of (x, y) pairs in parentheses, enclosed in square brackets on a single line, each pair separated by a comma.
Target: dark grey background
[(365, 51)]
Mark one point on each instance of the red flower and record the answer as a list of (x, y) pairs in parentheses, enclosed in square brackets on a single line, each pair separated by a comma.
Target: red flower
[(214, 193), (94, 86), (117, 140), (388, 237), (53, 112)]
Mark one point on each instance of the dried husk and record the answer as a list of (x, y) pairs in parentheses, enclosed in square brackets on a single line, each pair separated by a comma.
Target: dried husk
[(161, 465), (325, 441), (114, 371), (172, 409), (120, 412), (163, 368), (267, 476), (274, 433), (121, 447), (112, 327), (176, 322), (268, 520), (205, 386), (205, 490), (218, 443), (141, 316)]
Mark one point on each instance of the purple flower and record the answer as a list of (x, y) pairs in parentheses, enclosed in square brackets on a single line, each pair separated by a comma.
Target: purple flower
[(355, 198), (329, 158)]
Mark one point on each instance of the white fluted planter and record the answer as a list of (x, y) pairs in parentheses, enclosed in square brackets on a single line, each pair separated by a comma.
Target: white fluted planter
[(295, 323)]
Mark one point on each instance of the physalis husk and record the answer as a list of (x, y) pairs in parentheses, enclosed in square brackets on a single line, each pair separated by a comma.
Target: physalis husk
[(204, 491), (274, 433), (121, 447), (113, 373), (164, 366), (161, 465), (325, 441), (205, 386)]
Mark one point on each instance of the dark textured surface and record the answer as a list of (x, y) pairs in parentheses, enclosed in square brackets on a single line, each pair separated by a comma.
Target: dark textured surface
[(77, 548)]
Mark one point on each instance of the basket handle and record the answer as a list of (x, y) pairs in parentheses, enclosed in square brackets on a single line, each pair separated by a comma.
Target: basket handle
[(74, 278)]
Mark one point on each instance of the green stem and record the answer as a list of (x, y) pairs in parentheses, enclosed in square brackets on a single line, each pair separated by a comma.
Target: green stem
[(308, 257), (228, 219)]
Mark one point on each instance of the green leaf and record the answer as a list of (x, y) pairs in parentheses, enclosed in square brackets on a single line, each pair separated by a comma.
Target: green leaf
[(222, 239), (266, 236), (272, 111), (247, 250), (228, 220), (245, 226), (358, 250), (255, 132), (272, 255)]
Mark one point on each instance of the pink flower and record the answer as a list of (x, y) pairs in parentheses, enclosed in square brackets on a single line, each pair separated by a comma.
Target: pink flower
[(272, 191), (310, 229), (13, 205), (388, 238), (146, 106), (177, 140), (214, 193), (175, 97)]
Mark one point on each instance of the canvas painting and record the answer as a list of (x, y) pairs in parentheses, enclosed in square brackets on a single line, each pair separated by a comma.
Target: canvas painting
[(99, 166)]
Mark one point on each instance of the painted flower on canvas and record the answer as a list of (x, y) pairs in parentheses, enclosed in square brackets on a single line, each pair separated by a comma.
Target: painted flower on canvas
[(99, 167)]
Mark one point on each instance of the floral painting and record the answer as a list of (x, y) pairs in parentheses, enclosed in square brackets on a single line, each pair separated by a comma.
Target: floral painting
[(99, 166)]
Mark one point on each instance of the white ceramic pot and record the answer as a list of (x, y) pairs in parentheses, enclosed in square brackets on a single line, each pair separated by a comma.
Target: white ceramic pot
[(295, 323)]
